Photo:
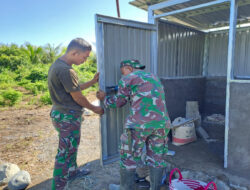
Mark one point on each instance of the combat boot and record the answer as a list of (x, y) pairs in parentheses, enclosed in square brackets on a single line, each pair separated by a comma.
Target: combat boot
[(127, 180), (155, 178)]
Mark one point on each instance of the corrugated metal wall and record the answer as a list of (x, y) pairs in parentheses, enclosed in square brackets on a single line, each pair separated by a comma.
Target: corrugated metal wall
[(217, 56), (120, 43), (180, 51)]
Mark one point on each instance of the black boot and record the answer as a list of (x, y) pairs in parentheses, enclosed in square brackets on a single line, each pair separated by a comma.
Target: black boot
[(155, 178), (127, 179)]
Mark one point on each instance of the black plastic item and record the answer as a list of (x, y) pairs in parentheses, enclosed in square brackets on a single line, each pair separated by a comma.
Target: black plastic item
[(111, 89)]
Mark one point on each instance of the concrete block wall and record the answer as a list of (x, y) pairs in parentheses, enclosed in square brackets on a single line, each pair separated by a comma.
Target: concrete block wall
[(239, 130), (209, 92), (179, 91), (215, 96)]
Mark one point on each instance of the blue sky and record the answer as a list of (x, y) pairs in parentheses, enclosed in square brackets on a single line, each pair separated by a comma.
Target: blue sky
[(57, 21)]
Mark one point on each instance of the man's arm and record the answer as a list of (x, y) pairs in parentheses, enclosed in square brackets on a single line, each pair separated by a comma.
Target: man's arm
[(82, 101), (90, 83), (118, 100)]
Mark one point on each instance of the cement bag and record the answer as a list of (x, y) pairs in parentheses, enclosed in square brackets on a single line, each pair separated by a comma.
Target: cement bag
[(184, 133), (188, 184)]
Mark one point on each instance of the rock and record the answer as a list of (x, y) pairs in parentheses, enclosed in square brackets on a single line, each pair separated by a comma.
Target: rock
[(114, 187), (7, 170), (19, 181)]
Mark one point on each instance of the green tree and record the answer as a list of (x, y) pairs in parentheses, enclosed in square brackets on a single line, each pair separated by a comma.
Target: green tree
[(34, 53), (51, 53), (11, 57)]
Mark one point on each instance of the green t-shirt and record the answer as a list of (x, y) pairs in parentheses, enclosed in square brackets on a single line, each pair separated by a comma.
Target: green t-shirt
[(62, 80)]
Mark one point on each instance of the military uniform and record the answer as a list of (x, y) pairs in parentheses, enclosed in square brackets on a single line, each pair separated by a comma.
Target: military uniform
[(147, 123), (66, 116)]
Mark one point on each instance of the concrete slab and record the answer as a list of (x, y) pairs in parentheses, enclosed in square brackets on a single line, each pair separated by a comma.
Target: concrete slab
[(198, 156)]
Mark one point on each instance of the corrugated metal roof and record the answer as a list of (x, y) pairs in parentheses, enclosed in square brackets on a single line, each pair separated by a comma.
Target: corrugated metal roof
[(204, 18)]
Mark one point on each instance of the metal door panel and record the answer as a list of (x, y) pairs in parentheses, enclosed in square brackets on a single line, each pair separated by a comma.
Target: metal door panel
[(117, 40)]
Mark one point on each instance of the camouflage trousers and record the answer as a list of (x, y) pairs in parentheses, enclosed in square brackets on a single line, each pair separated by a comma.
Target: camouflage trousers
[(69, 131), (132, 144)]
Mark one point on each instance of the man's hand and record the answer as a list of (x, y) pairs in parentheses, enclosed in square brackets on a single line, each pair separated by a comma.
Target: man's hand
[(96, 78), (98, 110), (90, 83), (82, 101), (100, 95)]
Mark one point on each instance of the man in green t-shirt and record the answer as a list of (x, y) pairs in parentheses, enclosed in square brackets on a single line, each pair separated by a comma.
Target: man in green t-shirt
[(66, 114)]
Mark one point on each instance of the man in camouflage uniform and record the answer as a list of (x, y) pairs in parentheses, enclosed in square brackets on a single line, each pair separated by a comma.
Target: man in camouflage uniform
[(66, 113), (147, 124)]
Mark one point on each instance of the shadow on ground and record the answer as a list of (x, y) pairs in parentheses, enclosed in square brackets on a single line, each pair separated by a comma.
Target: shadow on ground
[(99, 178)]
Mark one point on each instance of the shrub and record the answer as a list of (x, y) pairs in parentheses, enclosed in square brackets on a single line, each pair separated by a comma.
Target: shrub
[(22, 72), (11, 57), (45, 99), (41, 86), (7, 76), (1, 100), (34, 100), (10, 97), (23, 82), (36, 87), (37, 75), (31, 87), (4, 86)]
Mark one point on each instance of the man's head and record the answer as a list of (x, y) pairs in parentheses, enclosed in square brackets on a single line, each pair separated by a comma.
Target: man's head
[(128, 66), (78, 51)]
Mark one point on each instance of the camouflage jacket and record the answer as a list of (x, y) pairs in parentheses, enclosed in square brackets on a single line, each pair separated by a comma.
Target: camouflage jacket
[(147, 100)]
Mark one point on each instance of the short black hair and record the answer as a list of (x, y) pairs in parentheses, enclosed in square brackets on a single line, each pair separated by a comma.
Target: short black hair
[(79, 44)]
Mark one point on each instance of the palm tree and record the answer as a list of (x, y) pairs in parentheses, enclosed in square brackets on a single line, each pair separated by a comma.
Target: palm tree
[(52, 53), (34, 53)]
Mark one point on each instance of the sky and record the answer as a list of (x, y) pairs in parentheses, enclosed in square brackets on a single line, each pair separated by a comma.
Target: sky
[(57, 21)]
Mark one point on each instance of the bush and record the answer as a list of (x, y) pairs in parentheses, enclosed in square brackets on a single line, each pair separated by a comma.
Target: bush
[(11, 57), (22, 72), (41, 86), (36, 87), (23, 82), (27, 67), (4, 86), (10, 97), (1, 100), (37, 75), (31, 87), (7, 76), (45, 99)]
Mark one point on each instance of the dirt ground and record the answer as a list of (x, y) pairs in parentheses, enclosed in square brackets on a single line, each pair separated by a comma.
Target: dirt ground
[(28, 139)]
